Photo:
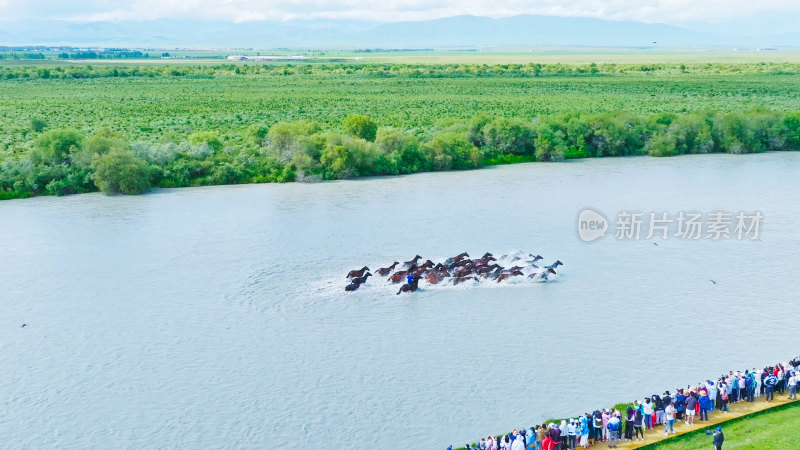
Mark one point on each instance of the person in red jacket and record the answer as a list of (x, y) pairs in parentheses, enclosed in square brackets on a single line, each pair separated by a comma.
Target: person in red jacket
[(548, 443)]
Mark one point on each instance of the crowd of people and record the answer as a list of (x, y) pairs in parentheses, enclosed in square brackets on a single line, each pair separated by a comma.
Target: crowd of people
[(691, 405)]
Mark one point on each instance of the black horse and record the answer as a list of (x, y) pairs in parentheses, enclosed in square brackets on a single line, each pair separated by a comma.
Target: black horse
[(410, 287)]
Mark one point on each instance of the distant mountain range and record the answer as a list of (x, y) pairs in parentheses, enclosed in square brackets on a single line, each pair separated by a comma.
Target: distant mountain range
[(458, 31)]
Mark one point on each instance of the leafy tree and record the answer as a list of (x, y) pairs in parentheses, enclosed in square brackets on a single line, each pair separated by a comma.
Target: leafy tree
[(476, 129), (289, 138), (400, 150), (792, 124), (120, 172), (510, 136), (346, 156), (452, 150), (57, 146), (361, 126), (661, 145), (550, 144)]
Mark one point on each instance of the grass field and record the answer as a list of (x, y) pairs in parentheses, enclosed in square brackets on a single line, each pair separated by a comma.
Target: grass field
[(774, 429), (146, 108)]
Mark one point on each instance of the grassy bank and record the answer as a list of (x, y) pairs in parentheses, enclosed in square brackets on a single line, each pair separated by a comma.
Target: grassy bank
[(124, 128), (775, 428), (756, 425)]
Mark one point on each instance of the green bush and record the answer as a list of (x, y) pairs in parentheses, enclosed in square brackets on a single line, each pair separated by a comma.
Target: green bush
[(38, 125), (661, 145), (360, 126), (57, 146), (209, 137), (453, 150), (512, 136), (120, 172)]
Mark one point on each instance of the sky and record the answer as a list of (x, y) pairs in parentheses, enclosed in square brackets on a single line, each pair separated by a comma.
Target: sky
[(651, 11)]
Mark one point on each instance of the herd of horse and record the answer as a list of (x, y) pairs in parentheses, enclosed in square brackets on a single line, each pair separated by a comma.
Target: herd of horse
[(456, 270)]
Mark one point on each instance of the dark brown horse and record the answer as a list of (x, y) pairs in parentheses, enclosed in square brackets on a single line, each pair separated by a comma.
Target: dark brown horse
[(486, 269), (361, 280), (413, 262), (383, 271), (399, 276), (457, 280), (410, 287), (352, 287), (357, 273), (510, 274), (424, 267), (462, 263), (464, 271), (450, 261), (436, 276)]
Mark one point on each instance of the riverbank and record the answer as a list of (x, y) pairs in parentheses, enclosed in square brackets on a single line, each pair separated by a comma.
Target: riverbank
[(738, 411), (247, 124), (774, 428)]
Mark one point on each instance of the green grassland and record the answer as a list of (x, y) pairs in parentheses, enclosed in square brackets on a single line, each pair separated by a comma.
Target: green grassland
[(771, 429), (202, 123)]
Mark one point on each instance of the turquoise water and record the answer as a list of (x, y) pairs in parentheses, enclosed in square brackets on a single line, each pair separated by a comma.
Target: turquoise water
[(216, 317)]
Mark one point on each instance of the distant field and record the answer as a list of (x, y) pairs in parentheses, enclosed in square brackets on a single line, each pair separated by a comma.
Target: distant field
[(490, 55), (586, 56), (145, 108)]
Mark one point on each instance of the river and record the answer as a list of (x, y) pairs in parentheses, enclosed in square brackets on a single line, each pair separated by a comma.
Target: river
[(216, 317)]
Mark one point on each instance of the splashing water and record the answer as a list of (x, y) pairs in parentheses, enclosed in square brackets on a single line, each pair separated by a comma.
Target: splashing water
[(531, 274)]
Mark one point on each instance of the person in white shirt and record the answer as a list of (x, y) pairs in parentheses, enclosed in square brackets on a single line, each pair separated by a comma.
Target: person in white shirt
[(792, 383), (518, 443), (669, 418)]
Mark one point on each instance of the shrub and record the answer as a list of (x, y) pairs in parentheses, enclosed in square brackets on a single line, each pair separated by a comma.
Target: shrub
[(57, 146), (120, 172), (360, 126), (209, 137), (38, 125), (512, 136), (452, 150)]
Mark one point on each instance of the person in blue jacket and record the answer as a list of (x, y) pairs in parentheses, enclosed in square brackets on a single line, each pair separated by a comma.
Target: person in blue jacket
[(770, 383), (719, 438), (680, 401), (705, 405)]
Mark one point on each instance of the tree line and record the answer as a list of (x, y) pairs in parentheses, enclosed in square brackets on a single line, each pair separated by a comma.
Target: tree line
[(66, 161), (471, 70)]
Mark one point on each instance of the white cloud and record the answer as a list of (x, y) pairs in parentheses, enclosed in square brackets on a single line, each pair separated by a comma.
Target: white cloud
[(670, 11)]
